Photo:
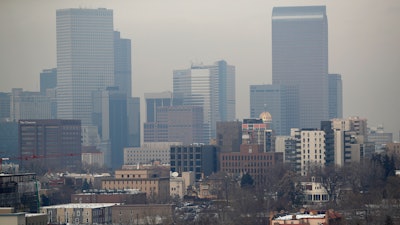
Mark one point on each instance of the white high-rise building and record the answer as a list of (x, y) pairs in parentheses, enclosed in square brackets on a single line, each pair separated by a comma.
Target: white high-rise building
[(209, 86), (85, 60), (310, 149), (300, 60)]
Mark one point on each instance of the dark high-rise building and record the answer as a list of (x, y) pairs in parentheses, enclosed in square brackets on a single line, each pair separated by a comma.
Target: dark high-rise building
[(111, 118), (51, 144), (335, 96), (122, 64), (300, 59), (198, 158), (326, 126), (229, 136), (118, 127), (134, 122), (48, 80), (9, 139), (5, 104)]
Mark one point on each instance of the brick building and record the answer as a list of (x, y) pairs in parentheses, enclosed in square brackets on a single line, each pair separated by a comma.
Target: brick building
[(142, 214), (53, 144), (251, 159)]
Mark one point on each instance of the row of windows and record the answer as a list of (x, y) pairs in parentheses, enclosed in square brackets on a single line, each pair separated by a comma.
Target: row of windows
[(247, 157), (317, 197), (246, 164)]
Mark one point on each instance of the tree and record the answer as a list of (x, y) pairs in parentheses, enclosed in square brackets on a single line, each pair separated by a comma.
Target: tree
[(246, 181), (85, 185), (389, 220)]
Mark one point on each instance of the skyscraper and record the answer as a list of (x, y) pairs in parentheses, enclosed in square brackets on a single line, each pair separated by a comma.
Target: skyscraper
[(154, 100), (209, 86), (48, 79), (300, 59), (280, 101), (122, 64), (335, 96), (85, 59)]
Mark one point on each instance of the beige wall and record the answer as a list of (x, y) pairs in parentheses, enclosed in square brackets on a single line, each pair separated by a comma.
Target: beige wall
[(142, 214), (36, 219), (13, 219)]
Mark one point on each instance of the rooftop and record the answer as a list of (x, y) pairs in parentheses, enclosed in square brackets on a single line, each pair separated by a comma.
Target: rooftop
[(80, 205)]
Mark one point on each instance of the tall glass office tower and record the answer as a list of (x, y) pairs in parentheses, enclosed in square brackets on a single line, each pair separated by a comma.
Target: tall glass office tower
[(335, 96), (85, 59), (209, 86), (300, 59)]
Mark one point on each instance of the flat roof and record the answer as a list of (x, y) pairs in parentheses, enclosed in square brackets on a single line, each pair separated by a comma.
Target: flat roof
[(80, 205), (35, 214), (300, 216)]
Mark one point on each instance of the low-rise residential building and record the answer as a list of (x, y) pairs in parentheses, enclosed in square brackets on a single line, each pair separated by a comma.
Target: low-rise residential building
[(312, 217), (314, 192), (393, 148), (143, 214), (110, 196), (93, 179), (13, 218), (79, 213), (180, 184), (9, 217)]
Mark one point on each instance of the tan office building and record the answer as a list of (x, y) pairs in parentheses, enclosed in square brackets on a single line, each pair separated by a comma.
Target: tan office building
[(151, 181)]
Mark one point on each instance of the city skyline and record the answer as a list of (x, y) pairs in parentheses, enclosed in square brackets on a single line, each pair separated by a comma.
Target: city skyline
[(362, 41)]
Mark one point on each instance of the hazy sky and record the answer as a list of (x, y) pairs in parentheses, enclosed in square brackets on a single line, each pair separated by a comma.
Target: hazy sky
[(364, 45)]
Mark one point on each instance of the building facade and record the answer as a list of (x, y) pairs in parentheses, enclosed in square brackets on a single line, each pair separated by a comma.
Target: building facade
[(252, 160), (229, 136), (150, 181), (9, 139), (198, 158), (211, 87), (52, 144), (148, 153), (155, 100), (30, 105), (5, 106), (280, 101), (79, 213), (182, 123), (122, 64), (85, 59), (300, 59), (142, 214), (48, 80), (310, 149), (258, 131), (335, 96), (110, 196), (19, 191)]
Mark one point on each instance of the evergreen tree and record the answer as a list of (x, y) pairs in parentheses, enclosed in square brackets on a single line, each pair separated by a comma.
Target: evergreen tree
[(247, 180)]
